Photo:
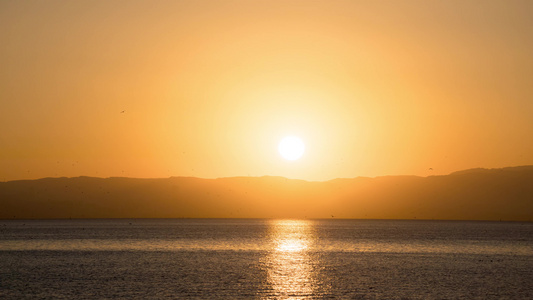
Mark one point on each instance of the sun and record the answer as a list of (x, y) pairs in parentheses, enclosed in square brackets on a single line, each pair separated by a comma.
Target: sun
[(291, 147)]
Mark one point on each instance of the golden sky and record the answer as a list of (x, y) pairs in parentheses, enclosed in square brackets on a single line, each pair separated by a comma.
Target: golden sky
[(209, 88)]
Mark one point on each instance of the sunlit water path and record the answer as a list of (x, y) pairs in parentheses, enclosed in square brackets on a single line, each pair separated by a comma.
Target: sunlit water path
[(254, 258)]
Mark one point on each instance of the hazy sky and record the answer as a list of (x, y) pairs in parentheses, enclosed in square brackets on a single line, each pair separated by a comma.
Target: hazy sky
[(208, 88)]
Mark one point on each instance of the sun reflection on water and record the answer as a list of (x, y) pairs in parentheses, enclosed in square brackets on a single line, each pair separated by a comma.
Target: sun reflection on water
[(289, 265)]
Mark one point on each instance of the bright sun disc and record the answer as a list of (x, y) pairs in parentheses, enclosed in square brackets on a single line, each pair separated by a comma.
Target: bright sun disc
[(291, 147)]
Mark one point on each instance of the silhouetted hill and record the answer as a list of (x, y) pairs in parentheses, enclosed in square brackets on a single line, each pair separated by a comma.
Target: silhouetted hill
[(478, 194), (483, 170)]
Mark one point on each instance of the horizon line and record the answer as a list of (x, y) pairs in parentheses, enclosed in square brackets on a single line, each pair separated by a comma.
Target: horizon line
[(276, 176)]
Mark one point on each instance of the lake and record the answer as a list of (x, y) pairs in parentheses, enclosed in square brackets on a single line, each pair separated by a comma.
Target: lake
[(265, 259)]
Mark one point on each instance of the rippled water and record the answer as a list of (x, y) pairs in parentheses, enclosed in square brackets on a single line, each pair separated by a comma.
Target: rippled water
[(265, 259)]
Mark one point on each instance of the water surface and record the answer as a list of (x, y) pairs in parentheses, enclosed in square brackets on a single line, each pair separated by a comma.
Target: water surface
[(265, 259)]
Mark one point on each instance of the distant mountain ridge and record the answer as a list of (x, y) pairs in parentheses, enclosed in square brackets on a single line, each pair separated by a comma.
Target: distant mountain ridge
[(479, 170), (476, 194)]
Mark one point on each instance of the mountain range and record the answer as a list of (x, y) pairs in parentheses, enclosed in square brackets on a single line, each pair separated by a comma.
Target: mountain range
[(476, 194)]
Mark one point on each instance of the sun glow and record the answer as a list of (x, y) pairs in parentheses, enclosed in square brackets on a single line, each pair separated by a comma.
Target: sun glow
[(291, 148)]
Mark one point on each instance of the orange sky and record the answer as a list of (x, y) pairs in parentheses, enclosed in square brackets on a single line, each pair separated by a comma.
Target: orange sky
[(208, 88)]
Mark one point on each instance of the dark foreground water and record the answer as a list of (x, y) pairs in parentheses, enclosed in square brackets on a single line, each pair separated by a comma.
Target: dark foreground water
[(271, 259)]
